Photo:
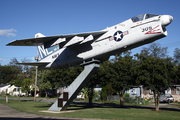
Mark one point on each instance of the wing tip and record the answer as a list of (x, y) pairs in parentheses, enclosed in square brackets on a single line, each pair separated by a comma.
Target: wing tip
[(11, 43)]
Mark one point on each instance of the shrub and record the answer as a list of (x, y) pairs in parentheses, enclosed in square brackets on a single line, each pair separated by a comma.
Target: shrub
[(126, 95)]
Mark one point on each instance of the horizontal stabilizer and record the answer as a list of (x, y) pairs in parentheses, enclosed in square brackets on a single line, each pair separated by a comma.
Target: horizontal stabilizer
[(35, 63)]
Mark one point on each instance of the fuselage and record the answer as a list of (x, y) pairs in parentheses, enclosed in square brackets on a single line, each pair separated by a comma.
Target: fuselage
[(124, 36)]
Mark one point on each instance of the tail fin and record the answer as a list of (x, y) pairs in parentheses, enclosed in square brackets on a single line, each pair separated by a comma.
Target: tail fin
[(43, 53), (39, 35)]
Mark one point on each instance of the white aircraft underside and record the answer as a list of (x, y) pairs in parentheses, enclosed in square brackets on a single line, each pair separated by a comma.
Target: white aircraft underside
[(72, 50)]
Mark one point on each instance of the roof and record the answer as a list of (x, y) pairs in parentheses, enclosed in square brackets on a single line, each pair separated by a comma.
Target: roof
[(3, 85)]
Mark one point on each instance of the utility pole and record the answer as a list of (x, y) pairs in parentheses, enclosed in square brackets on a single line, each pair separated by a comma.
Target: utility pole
[(36, 58), (35, 85)]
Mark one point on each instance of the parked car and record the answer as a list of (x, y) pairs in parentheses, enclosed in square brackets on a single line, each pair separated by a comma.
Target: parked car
[(166, 98), (170, 97), (80, 97)]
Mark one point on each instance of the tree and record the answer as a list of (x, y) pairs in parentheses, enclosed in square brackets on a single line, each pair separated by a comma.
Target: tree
[(18, 82), (106, 91), (15, 67), (104, 72), (154, 72), (26, 83), (122, 79), (104, 78), (118, 74), (42, 82), (177, 55), (90, 86), (7, 74), (57, 78), (11, 71), (155, 50), (177, 74), (25, 68), (21, 75)]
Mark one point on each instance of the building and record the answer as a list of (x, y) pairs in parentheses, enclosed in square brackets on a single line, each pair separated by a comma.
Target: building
[(135, 91), (15, 91), (3, 88), (175, 92)]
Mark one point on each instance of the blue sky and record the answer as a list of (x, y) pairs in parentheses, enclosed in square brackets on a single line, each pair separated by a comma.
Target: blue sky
[(21, 19)]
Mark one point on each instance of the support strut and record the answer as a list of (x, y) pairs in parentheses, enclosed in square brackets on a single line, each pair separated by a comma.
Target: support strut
[(76, 86)]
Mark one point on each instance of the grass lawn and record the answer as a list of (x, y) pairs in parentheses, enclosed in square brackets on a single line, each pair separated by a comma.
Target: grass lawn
[(81, 111)]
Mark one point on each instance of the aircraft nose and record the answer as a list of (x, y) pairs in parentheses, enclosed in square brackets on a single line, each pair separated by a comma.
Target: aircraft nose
[(166, 19), (170, 18)]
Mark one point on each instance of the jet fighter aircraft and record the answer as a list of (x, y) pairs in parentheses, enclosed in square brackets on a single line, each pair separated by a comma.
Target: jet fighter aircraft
[(82, 48)]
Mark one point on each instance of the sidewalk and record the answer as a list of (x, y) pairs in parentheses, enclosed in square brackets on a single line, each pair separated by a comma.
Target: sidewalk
[(7, 113)]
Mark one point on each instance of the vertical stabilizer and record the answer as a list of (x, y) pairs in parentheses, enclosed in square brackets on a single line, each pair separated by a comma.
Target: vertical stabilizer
[(39, 35), (44, 52)]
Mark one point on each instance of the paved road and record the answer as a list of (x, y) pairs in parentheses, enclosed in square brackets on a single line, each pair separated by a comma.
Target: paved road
[(31, 99)]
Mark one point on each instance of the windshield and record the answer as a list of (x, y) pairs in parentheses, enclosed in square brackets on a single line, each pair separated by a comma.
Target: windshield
[(150, 16), (138, 18), (141, 17)]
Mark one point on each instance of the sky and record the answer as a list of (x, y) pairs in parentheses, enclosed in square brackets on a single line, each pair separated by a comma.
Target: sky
[(22, 19)]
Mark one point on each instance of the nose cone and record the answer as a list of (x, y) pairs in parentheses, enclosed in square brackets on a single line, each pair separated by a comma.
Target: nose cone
[(166, 19), (170, 18)]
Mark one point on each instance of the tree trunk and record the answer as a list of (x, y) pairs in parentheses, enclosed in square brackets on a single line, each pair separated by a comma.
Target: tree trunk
[(156, 100), (90, 101), (157, 107), (46, 93), (121, 100), (90, 96), (19, 96)]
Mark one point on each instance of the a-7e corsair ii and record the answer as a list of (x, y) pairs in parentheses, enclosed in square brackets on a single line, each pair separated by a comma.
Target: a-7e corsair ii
[(89, 48), (74, 49)]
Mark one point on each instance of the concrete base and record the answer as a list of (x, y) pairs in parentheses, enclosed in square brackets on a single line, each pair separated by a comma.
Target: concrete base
[(76, 86), (56, 112)]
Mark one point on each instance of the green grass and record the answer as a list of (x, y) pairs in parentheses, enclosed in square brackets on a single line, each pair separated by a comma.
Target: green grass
[(81, 111)]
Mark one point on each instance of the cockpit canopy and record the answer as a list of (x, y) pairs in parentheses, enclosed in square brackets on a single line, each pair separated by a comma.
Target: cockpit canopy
[(142, 17)]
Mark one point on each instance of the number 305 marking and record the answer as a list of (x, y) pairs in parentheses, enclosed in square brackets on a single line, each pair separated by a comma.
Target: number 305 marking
[(146, 29)]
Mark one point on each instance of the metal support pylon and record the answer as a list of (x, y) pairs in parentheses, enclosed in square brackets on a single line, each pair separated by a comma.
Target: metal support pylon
[(76, 86)]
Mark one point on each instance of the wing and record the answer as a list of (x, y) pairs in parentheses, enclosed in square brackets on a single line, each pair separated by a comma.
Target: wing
[(35, 63), (54, 40)]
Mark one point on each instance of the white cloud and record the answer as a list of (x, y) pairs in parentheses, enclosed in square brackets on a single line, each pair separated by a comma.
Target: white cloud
[(2, 59), (7, 32)]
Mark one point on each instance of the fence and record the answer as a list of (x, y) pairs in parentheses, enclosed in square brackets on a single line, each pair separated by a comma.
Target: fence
[(131, 100)]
